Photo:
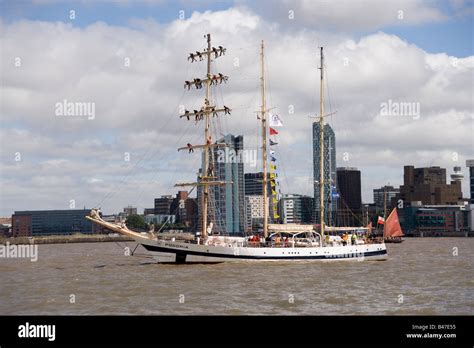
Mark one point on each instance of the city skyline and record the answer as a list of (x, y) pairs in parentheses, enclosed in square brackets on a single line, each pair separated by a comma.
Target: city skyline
[(127, 64)]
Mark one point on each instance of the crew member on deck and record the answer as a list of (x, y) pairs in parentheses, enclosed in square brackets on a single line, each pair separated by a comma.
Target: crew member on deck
[(344, 239)]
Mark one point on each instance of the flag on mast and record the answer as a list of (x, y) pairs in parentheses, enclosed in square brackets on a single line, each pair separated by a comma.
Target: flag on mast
[(273, 131), (275, 121), (380, 221)]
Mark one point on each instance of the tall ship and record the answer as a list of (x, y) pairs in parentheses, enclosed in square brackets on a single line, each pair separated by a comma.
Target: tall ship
[(277, 242)]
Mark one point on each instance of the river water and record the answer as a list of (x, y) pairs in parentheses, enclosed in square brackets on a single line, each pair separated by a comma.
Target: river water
[(423, 276)]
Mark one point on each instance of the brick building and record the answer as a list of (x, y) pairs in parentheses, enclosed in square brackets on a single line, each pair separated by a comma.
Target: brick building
[(428, 186)]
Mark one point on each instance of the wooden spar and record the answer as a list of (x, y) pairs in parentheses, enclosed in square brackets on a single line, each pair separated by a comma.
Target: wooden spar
[(264, 144), (200, 183), (201, 146), (205, 167), (321, 149), (191, 114), (210, 51), (216, 78)]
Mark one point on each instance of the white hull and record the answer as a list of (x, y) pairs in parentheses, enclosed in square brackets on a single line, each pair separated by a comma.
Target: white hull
[(225, 249), (180, 252)]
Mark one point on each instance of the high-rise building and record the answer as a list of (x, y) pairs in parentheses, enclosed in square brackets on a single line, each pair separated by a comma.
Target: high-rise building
[(428, 186), (226, 204), (254, 183), (254, 186), (389, 193), (163, 205), (330, 178), (50, 222), (297, 209), (253, 211), (470, 164), (350, 196)]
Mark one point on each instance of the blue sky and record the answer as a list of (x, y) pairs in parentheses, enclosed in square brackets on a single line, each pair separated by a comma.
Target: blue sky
[(454, 35)]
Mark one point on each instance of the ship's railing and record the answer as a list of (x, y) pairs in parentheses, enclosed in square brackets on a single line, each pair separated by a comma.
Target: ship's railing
[(274, 244), (282, 244)]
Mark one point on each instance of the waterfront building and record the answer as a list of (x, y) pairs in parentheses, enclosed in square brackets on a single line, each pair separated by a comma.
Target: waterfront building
[(471, 217), (435, 220), (229, 198), (5, 226), (384, 196), (185, 209), (329, 172), (227, 204), (130, 211), (149, 211), (470, 165), (349, 196), (254, 184), (296, 208), (159, 219), (163, 205), (254, 187), (428, 185), (50, 222), (253, 211)]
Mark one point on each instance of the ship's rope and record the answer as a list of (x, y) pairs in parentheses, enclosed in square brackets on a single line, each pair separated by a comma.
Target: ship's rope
[(119, 186)]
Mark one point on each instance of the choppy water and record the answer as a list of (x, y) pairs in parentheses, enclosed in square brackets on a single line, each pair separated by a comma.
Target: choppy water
[(421, 273)]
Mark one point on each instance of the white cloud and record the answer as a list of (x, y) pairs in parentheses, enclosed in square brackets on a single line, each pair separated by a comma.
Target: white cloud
[(137, 106)]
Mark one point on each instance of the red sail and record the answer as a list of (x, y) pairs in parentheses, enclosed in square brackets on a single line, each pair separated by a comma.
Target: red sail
[(392, 225)]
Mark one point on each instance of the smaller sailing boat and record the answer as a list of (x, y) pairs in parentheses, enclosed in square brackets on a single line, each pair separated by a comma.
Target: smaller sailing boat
[(392, 231)]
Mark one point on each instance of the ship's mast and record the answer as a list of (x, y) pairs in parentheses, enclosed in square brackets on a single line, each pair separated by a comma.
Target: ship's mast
[(264, 144), (384, 208), (207, 177), (321, 147), (205, 198)]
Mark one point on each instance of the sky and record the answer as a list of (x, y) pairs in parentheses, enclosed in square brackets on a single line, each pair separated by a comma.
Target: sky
[(127, 61)]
